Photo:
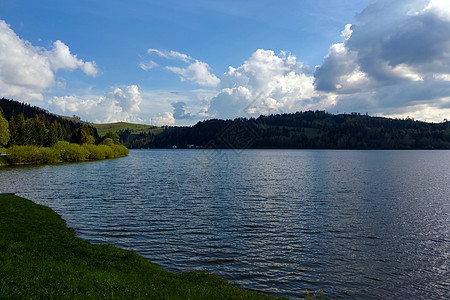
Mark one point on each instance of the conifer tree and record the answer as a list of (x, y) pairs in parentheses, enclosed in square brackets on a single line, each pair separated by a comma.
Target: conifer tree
[(21, 131), (4, 130), (13, 131)]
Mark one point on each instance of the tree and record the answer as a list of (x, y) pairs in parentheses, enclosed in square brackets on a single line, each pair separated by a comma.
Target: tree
[(52, 135), (112, 135), (4, 130), (20, 138), (35, 132), (40, 132), (108, 142), (83, 136), (13, 132)]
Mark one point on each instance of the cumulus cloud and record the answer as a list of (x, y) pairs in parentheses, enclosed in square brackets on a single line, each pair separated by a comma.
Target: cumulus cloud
[(163, 119), (265, 83), (61, 58), (26, 71), (120, 105), (196, 71), (425, 112), (179, 111), (396, 57)]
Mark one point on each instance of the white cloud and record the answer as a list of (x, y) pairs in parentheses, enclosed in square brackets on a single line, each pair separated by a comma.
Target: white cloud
[(120, 105), (170, 55), (196, 71), (347, 32), (163, 119), (441, 8), (443, 77), (26, 71), (422, 112), (230, 103), (395, 57), (266, 83), (61, 58), (148, 65), (404, 71), (90, 68)]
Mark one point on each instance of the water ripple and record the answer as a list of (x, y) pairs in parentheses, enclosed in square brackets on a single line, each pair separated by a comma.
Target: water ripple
[(358, 224)]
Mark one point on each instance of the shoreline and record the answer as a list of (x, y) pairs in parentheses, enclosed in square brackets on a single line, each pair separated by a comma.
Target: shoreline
[(42, 258), (8, 164)]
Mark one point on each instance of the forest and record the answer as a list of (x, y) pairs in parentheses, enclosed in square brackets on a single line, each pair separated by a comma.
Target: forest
[(33, 135), (30, 125), (300, 130)]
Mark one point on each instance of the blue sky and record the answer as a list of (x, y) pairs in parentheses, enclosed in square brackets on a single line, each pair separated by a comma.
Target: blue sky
[(168, 62)]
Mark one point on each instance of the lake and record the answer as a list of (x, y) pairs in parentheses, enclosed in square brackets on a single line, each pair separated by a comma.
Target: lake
[(357, 224)]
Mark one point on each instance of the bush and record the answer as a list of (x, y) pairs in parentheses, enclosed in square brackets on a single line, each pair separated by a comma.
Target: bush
[(108, 142), (119, 150), (49, 155), (105, 151), (95, 152), (33, 154), (64, 151), (71, 152)]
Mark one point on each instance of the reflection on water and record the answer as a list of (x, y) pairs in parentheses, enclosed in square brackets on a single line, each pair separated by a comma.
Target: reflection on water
[(358, 224)]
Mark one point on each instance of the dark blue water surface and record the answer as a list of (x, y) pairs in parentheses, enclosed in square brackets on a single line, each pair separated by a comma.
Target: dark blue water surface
[(357, 224)]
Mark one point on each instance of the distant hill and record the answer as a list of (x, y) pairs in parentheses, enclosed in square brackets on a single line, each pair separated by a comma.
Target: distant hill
[(122, 126), (300, 130)]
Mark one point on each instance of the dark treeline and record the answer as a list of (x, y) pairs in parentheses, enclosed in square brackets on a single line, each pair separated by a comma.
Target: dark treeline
[(30, 125), (301, 130)]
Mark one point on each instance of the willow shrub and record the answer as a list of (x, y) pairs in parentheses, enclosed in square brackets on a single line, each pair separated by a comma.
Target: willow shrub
[(119, 150), (33, 154), (105, 151), (95, 152), (71, 152), (64, 151)]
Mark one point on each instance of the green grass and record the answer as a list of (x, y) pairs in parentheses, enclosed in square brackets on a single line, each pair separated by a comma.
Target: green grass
[(40, 258), (102, 129)]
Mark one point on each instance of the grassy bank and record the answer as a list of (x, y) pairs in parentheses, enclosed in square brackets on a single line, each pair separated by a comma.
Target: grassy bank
[(62, 152), (41, 258)]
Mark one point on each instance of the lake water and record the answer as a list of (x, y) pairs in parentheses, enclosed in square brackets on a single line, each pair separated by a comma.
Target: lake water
[(357, 224)]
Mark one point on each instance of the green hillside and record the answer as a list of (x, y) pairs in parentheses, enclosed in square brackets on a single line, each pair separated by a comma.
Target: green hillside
[(300, 130), (102, 129)]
